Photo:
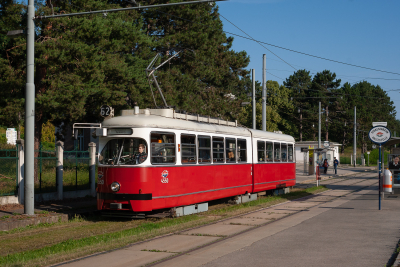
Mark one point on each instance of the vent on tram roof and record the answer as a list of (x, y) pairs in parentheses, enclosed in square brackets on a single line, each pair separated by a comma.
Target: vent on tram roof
[(171, 113)]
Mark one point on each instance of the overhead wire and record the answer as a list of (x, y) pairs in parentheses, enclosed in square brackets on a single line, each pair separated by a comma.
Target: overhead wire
[(287, 49), (257, 42)]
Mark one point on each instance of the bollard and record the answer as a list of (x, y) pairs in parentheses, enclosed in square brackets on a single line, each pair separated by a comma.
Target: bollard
[(20, 156), (92, 168), (59, 169)]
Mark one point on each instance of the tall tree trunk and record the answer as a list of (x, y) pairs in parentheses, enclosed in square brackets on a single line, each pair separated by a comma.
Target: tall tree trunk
[(343, 142)]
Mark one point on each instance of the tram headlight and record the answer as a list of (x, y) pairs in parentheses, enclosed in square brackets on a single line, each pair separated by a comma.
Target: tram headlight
[(115, 187)]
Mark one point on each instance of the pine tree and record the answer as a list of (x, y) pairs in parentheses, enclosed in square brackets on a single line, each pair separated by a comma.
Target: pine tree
[(205, 77), (81, 63)]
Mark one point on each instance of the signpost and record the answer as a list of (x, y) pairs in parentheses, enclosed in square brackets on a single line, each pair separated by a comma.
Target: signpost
[(379, 135), (11, 135)]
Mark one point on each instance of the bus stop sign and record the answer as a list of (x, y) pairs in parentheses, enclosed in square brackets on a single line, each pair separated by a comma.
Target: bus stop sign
[(379, 135)]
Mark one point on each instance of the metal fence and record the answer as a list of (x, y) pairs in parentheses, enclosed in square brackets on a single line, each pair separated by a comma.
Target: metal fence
[(76, 170), (9, 172), (45, 170)]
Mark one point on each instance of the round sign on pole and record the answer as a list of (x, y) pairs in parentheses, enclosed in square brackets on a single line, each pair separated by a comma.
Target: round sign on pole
[(379, 135), (105, 111)]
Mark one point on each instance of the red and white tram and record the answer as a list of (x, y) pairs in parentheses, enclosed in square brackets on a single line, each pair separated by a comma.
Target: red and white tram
[(186, 160)]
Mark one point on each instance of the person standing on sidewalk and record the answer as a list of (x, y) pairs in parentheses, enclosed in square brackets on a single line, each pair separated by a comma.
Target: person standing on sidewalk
[(325, 165), (335, 163)]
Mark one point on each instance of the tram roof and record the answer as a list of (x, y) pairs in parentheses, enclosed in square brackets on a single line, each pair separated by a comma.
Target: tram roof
[(156, 121)]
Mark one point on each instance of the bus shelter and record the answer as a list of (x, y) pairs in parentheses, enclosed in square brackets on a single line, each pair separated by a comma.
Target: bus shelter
[(313, 157)]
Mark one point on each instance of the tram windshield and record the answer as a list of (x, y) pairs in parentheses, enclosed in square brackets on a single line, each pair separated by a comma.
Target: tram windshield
[(124, 151)]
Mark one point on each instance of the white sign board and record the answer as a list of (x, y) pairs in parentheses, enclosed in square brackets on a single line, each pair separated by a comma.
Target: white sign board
[(379, 135), (379, 123), (11, 135)]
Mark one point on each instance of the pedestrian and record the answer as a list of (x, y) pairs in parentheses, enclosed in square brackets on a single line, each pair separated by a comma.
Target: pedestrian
[(325, 165), (335, 164)]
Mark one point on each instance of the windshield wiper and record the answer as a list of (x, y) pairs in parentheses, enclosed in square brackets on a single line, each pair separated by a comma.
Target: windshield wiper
[(120, 152)]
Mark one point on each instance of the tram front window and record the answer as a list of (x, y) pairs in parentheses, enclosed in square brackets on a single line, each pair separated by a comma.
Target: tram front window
[(124, 151)]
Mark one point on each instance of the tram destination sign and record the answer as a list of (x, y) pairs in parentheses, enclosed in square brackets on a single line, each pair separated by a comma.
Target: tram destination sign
[(379, 134)]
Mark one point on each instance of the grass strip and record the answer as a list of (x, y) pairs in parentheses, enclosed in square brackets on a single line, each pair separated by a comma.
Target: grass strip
[(88, 245), (74, 244)]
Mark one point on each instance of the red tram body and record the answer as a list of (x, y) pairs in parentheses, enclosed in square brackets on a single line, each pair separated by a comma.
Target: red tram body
[(186, 160)]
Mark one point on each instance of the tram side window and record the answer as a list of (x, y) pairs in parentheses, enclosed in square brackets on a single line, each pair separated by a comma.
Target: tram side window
[(124, 151), (204, 149), (269, 152), (290, 153), (283, 152), (162, 148), (277, 152), (261, 151), (230, 149), (188, 149), (241, 145), (218, 149)]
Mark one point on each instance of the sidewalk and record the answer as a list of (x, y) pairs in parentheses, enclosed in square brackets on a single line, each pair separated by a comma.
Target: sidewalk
[(302, 178)]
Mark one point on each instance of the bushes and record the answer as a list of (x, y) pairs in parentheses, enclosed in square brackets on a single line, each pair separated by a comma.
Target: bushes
[(374, 156), (3, 139)]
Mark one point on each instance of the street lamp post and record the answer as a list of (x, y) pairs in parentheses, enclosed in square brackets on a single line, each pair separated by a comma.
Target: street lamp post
[(30, 112), (355, 137)]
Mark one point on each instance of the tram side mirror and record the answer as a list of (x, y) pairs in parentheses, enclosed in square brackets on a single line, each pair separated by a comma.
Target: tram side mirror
[(94, 134)]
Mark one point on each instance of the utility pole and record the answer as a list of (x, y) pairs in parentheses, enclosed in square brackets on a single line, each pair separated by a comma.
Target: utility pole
[(264, 95), (29, 156), (30, 90), (301, 125), (319, 125), (355, 137), (326, 123), (254, 97)]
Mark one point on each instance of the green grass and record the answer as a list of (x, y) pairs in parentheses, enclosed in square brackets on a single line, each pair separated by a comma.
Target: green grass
[(77, 244)]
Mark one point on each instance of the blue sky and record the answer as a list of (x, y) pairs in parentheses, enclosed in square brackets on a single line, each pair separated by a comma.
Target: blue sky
[(359, 32)]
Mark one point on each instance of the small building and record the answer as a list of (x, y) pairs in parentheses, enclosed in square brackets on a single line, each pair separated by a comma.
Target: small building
[(304, 150)]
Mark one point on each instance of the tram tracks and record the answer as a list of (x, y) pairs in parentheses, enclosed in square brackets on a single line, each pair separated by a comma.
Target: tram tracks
[(235, 226), (363, 183)]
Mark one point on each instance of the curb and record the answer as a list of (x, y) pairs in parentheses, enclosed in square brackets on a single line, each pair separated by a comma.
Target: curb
[(397, 261), (17, 223)]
